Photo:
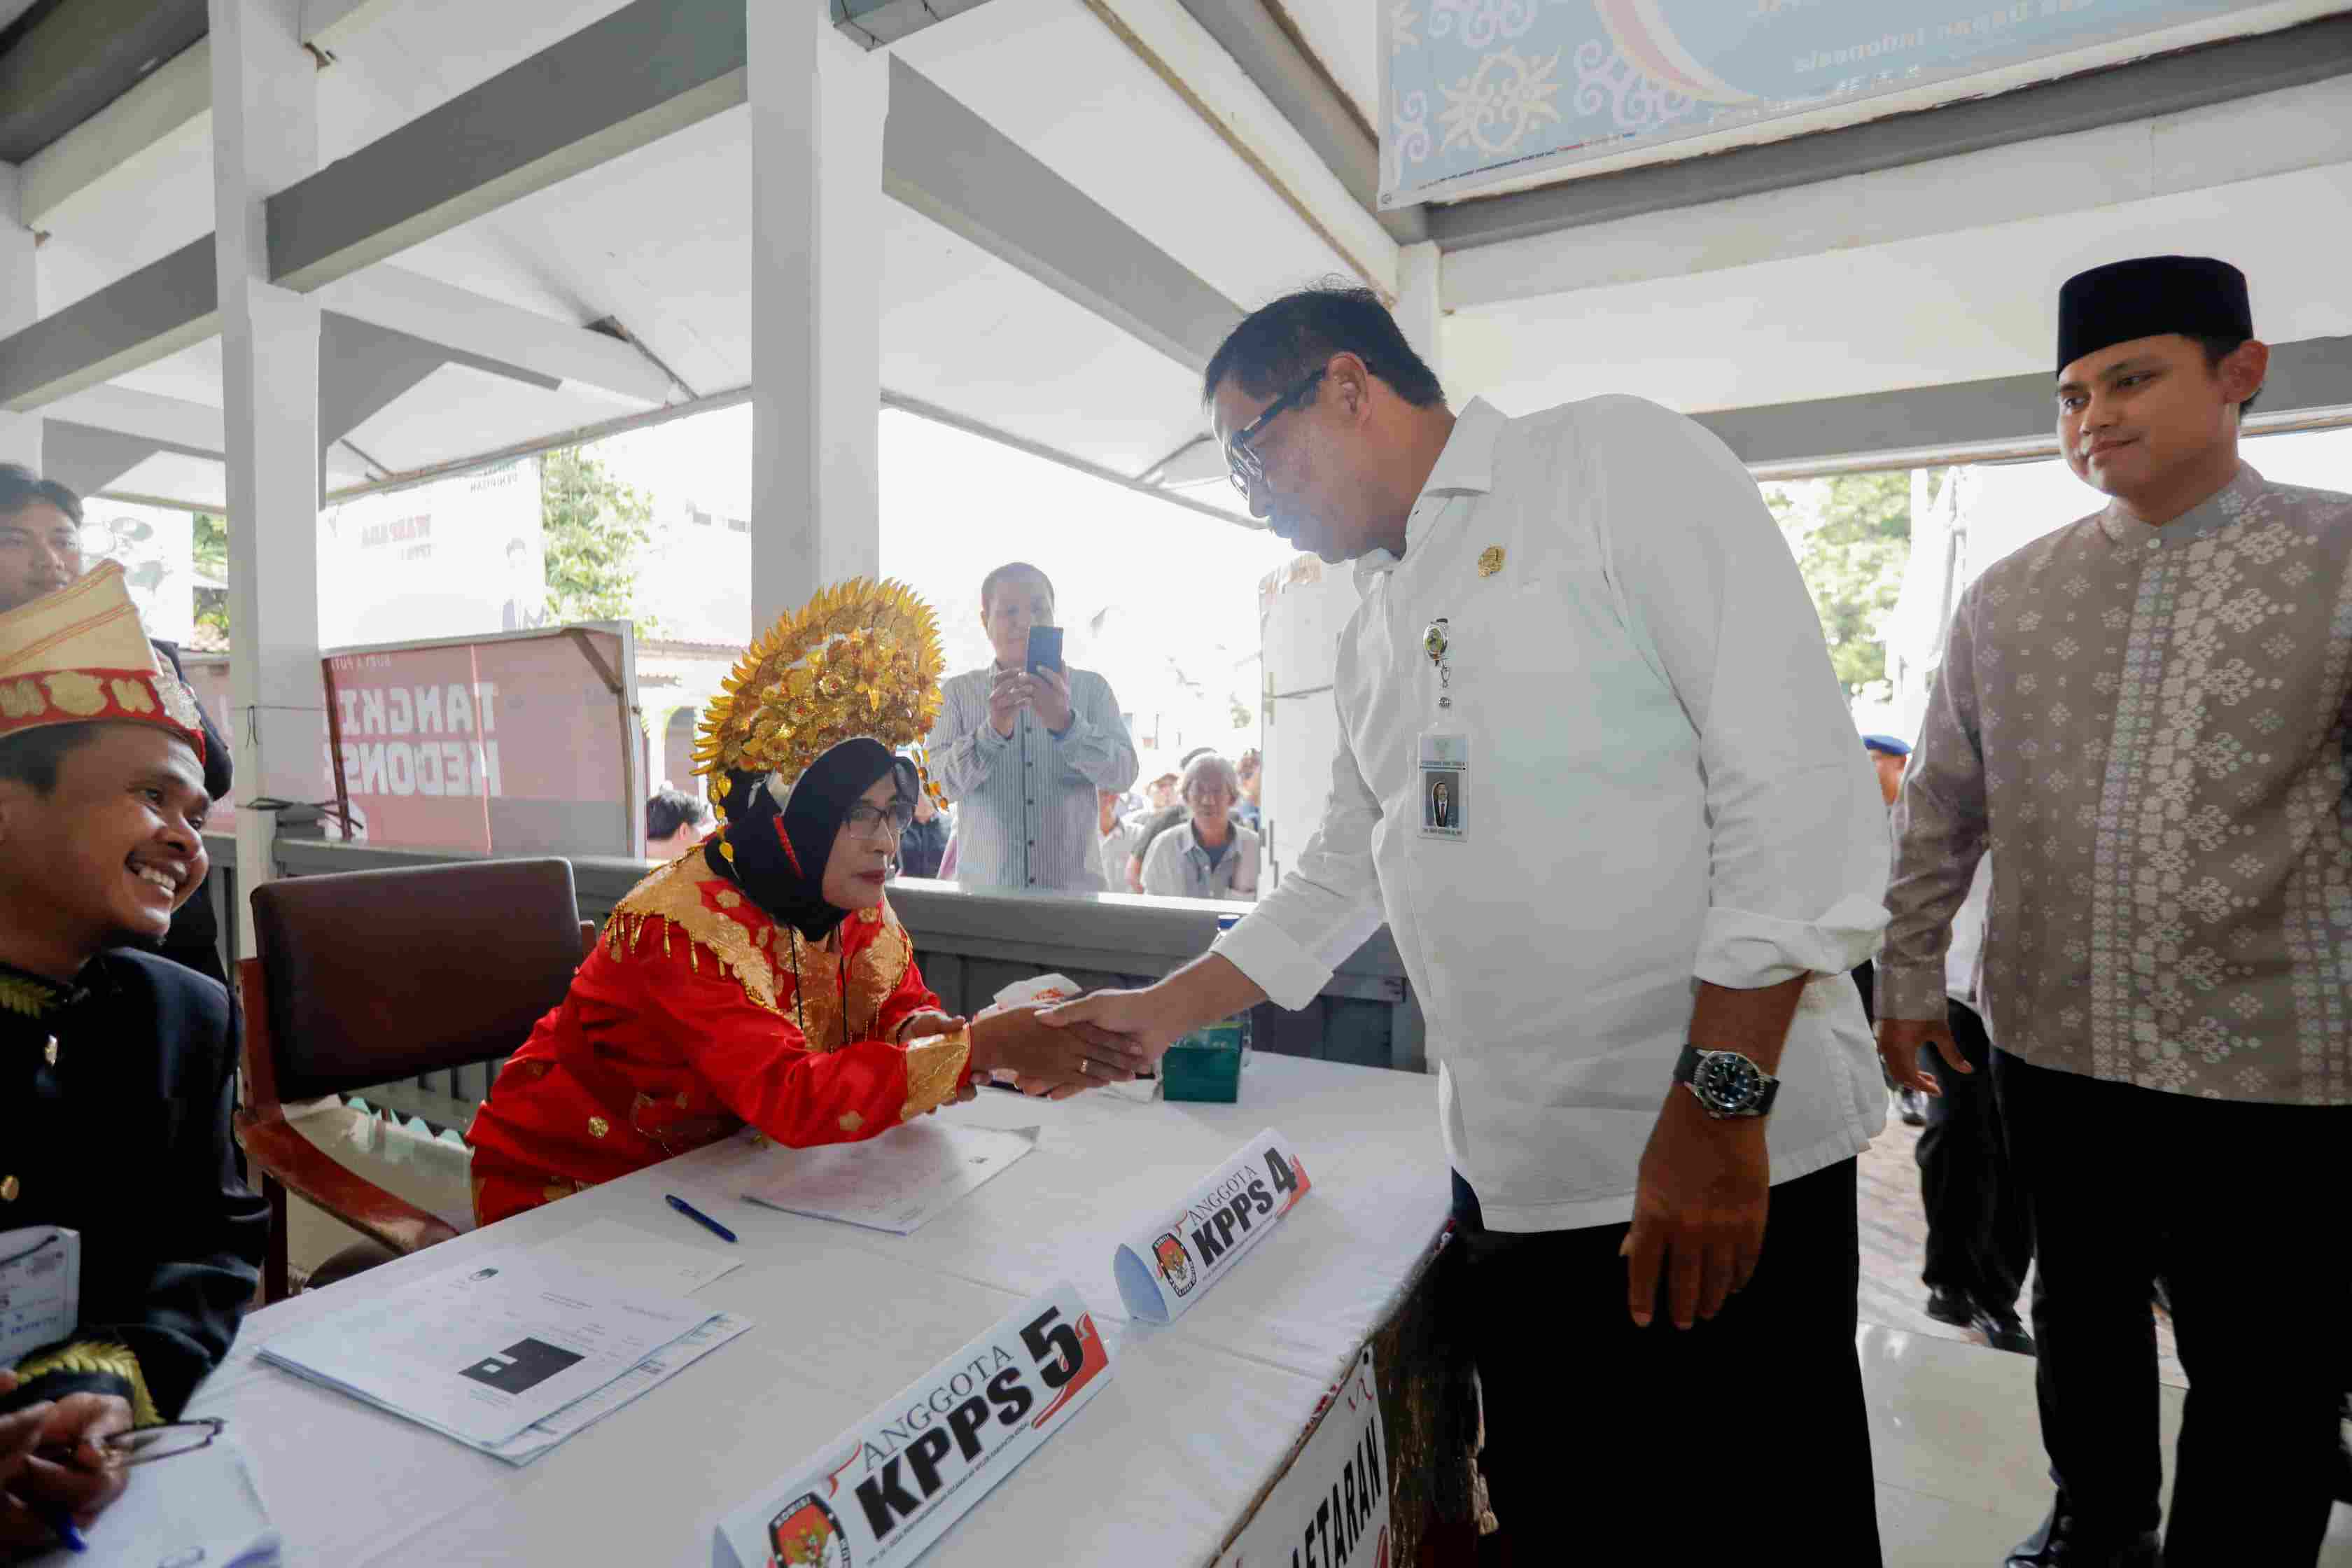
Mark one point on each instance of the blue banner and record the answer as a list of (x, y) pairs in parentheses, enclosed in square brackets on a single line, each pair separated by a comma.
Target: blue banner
[(1474, 91)]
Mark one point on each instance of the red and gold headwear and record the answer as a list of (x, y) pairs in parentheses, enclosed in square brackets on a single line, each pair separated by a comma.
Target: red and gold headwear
[(79, 656), (861, 658)]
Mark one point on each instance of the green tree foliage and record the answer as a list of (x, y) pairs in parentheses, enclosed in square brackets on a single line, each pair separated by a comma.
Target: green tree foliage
[(595, 527), (1851, 536), (211, 560)]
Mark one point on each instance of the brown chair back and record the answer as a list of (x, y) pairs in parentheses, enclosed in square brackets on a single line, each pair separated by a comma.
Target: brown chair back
[(372, 976)]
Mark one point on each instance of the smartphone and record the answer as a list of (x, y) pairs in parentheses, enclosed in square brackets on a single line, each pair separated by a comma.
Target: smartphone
[(1044, 649)]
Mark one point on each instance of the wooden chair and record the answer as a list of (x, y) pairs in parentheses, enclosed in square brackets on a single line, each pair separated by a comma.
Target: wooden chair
[(368, 977)]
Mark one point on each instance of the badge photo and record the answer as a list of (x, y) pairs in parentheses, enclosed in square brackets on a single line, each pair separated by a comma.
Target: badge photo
[(1445, 769)]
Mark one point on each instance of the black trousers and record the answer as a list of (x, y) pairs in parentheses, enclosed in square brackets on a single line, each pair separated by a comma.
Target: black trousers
[(1744, 1440), (2238, 1207), (1980, 1238)]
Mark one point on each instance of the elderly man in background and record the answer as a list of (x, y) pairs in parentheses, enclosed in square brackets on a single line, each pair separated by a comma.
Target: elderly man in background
[(1025, 752), (1209, 855)]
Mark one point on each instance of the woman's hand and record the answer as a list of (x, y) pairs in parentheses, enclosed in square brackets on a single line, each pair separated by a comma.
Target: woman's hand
[(1059, 1062)]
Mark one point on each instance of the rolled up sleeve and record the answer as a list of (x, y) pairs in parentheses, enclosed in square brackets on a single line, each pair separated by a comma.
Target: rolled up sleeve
[(1798, 868), (1328, 905)]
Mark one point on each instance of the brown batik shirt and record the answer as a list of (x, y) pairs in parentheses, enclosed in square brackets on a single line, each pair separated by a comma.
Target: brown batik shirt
[(2147, 727)]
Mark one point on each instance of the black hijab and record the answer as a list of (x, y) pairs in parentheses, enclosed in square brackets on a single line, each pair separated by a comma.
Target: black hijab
[(780, 850)]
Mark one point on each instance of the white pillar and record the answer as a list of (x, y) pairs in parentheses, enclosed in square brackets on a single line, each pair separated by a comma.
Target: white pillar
[(20, 434), (1418, 312), (265, 137), (818, 108)]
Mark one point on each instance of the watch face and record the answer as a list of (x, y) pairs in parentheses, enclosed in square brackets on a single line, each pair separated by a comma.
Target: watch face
[(1730, 1082)]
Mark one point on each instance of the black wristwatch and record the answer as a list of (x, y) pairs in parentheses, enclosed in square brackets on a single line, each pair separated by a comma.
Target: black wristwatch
[(1725, 1083)]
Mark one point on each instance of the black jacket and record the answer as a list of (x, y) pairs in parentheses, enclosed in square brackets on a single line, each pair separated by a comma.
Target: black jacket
[(194, 940), (922, 846), (126, 1140)]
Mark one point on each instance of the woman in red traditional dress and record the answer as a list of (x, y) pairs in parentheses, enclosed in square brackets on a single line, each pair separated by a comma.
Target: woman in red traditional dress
[(761, 978)]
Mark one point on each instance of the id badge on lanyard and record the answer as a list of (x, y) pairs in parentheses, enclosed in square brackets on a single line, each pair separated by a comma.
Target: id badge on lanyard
[(1444, 752)]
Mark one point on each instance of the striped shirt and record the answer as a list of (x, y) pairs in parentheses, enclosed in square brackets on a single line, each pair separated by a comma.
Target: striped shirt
[(1028, 812)]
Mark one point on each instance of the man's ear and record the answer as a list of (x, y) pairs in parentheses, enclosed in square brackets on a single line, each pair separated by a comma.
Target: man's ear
[(2243, 370)]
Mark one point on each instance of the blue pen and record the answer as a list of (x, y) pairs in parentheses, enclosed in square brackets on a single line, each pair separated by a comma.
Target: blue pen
[(698, 1217), (61, 1524)]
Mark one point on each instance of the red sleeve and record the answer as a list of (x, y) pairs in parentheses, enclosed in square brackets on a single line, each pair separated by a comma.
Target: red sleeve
[(757, 1061)]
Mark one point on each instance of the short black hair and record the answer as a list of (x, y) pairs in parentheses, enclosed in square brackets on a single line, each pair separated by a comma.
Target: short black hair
[(1013, 569), (672, 809), (2218, 348), (33, 757), (1277, 345), (21, 488)]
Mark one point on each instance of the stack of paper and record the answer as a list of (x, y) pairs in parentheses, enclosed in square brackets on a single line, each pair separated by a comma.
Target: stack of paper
[(892, 1182), (509, 1352)]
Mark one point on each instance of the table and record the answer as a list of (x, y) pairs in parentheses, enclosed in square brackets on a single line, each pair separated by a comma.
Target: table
[(1162, 1467)]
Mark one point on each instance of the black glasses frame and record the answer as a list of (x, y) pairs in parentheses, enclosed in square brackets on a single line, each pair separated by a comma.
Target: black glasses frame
[(1247, 467), (145, 1444)]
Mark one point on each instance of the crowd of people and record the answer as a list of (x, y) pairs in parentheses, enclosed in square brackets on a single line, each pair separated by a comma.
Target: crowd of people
[(1597, 777)]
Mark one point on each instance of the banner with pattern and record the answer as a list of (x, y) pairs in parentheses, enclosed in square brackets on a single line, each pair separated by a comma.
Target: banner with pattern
[(1474, 91)]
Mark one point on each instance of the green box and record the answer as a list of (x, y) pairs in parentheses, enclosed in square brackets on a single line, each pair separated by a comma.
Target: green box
[(1205, 1065)]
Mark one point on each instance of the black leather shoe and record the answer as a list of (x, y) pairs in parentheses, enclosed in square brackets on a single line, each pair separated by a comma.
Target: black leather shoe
[(1911, 1106), (2002, 1331), (1954, 1307), (2061, 1543)]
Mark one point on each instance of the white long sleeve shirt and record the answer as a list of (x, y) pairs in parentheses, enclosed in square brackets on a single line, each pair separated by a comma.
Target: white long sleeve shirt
[(1662, 787)]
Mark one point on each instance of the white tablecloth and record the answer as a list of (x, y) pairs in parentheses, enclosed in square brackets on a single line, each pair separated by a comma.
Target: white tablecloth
[(1158, 1469)]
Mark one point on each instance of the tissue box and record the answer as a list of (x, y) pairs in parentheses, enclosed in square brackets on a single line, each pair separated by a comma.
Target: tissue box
[(1205, 1065)]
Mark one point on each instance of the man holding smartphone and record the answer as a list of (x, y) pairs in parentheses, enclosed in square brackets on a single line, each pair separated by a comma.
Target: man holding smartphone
[(1025, 745)]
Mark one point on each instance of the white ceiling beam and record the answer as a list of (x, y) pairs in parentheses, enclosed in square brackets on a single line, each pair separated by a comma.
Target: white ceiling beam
[(1213, 84), (2223, 143), (460, 320), (327, 23), (173, 422), (116, 148)]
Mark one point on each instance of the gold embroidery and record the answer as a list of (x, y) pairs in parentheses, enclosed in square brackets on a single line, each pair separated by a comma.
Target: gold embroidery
[(934, 1071), (598, 1127), (818, 970), (672, 896), (78, 694), (851, 1122), (876, 971), (19, 993), (132, 697), (730, 900), (1490, 561), (9, 1188), (104, 1356), (554, 1191)]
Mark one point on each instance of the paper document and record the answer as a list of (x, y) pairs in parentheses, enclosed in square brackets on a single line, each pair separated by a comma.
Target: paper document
[(484, 1349), (197, 1508), (40, 1289), (631, 1258), (538, 1438), (893, 1182)]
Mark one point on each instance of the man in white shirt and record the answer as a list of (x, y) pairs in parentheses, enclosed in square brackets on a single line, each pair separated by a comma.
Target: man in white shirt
[(1657, 831)]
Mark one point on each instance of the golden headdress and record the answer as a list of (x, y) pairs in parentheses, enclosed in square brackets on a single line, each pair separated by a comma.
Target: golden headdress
[(860, 658)]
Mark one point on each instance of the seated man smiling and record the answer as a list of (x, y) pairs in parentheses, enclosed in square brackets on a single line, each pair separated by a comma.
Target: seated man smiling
[(763, 978), (115, 1065)]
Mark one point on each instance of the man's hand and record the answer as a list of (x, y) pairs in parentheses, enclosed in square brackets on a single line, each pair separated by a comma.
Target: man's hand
[(1049, 1060), (88, 1478), (1007, 697), (1049, 699), (1699, 1212), (1902, 1044), (20, 1530), (1136, 1020)]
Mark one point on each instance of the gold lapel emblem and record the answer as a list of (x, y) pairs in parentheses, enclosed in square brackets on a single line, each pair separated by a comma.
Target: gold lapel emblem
[(1490, 561), (50, 1051), (8, 1189)]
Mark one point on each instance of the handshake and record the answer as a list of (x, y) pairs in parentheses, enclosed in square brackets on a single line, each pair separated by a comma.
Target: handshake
[(1049, 1046)]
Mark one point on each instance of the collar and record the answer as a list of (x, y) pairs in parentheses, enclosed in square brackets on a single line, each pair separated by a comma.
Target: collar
[(2223, 506), (1466, 467)]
